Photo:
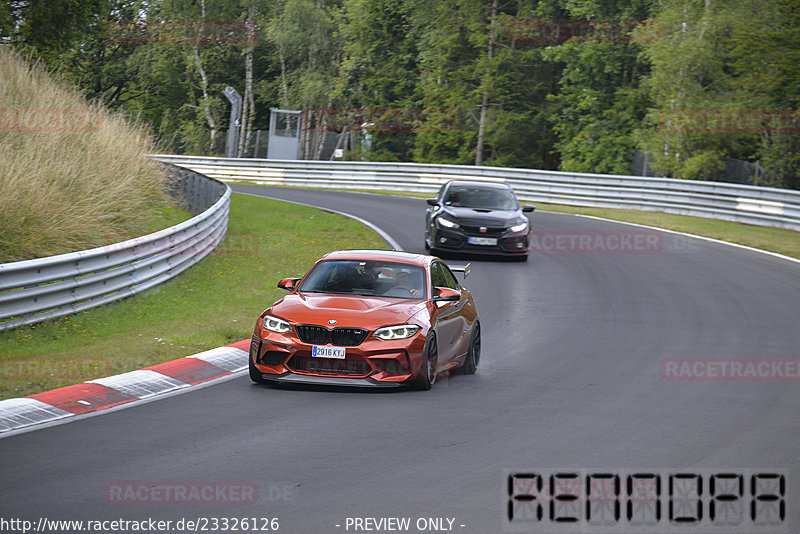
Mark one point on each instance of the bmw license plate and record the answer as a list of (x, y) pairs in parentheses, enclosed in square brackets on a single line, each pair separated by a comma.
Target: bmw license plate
[(327, 352), (482, 240)]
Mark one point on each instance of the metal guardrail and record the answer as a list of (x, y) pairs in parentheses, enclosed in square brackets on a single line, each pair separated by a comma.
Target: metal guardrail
[(32, 291), (741, 203)]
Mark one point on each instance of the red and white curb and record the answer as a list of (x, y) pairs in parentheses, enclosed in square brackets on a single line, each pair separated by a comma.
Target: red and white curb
[(105, 393)]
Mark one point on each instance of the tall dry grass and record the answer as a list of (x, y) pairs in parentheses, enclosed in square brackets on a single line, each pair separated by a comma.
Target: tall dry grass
[(72, 175)]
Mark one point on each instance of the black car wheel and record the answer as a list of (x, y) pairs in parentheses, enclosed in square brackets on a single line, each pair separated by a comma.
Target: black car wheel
[(430, 359), (255, 374), (470, 366)]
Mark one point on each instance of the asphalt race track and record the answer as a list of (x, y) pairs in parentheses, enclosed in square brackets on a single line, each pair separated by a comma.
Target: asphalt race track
[(572, 377)]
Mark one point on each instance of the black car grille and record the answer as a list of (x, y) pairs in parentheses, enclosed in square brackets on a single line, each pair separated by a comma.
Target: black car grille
[(476, 230), (340, 336), (329, 366)]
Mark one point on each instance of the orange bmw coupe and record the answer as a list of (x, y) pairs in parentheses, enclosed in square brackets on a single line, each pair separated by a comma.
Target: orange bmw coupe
[(368, 318)]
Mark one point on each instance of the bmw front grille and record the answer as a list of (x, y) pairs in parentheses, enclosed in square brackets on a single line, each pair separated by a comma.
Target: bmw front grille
[(339, 336)]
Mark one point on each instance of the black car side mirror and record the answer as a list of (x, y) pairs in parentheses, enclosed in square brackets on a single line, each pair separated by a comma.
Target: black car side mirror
[(432, 201), (527, 208)]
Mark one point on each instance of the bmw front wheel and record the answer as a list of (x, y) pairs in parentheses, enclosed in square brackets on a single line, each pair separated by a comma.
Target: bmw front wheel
[(430, 359)]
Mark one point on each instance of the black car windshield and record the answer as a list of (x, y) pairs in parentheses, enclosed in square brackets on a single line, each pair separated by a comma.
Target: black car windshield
[(366, 278), (480, 197)]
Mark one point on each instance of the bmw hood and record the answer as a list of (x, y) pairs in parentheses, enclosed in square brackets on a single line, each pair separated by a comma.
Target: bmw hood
[(347, 311)]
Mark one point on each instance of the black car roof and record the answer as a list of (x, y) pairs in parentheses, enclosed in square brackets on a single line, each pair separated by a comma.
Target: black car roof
[(476, 183)]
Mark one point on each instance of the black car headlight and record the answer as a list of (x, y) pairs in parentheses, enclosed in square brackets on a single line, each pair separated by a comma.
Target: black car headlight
[(447, 223), (519, 227)]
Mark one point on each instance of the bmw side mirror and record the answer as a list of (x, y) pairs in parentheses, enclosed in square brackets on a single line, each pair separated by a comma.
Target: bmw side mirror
[(527, 208), (445, 294), (432, 201), (288, 284)]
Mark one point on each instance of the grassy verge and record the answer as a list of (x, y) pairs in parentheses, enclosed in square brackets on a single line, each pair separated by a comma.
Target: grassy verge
[(778, 240), (214, 303), (161, 218), (74, 175)]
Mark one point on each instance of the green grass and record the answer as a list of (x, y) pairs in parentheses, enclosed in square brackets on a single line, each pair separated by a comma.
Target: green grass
[(214, 303), (164, 217)]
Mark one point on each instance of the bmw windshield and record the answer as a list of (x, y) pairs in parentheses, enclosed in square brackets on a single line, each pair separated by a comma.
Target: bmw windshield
[(366, 278)]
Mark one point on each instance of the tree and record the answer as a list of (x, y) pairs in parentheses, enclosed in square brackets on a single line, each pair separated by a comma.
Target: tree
[(766, 54), (598, 103), (494, 89), (719, 71), (308, 49), (379, 71)]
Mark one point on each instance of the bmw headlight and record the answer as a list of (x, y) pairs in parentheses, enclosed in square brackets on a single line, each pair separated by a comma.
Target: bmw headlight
[(447, 223), (520, 227), (389, 333), (276, 325)]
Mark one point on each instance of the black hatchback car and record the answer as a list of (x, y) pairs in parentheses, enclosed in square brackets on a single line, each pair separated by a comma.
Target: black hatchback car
[(477, 217)]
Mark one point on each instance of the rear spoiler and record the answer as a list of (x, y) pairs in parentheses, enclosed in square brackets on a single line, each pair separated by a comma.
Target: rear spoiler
[(464, 269)]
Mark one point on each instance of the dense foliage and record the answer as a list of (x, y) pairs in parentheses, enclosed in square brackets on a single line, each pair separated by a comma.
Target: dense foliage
[(553, 84)]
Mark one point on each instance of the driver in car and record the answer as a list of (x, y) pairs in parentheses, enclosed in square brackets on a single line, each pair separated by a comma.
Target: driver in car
[(405, 281)]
